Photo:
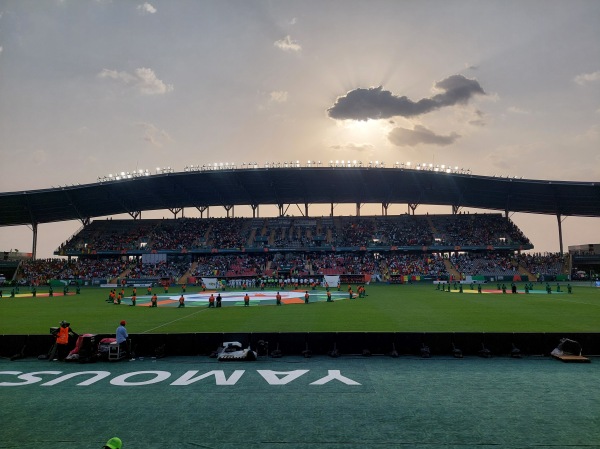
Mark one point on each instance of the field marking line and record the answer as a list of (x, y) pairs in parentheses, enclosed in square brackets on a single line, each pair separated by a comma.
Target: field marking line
[(173, 321)]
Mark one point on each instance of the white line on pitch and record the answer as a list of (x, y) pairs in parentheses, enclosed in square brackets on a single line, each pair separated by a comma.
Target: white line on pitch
[(173, 321)]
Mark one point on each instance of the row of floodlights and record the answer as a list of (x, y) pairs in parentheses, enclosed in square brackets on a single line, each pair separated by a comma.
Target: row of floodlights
[(337, 163), (435, 168), (289, 164), (118, 176)]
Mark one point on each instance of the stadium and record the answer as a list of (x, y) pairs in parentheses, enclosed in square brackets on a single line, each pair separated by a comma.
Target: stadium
[(386, 292)]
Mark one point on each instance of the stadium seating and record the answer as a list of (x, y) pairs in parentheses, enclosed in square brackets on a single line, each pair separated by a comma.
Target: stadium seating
[(433, 246)]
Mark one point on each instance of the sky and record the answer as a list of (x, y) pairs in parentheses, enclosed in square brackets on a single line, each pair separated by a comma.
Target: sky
[(505, 88)]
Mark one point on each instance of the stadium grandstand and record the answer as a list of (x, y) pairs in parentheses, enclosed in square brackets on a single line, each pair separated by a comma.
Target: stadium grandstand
[(384, 248), (306, 252), (388, 249)]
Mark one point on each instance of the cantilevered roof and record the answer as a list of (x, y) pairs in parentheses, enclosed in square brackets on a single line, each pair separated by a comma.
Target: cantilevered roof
[(299, 185)]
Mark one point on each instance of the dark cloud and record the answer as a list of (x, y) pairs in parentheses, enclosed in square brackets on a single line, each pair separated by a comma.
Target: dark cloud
[(404, 137), (376, 103)]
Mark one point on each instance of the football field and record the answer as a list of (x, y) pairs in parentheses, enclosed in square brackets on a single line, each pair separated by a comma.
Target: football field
[(386, 308)]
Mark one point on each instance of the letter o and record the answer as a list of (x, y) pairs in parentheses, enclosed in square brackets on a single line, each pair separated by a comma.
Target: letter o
[(122, 379)]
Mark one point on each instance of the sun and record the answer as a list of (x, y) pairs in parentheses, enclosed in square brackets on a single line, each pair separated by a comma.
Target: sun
[(364, 130)]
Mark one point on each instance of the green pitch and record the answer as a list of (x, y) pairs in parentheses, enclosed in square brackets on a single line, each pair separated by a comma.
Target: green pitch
[(387, 308)]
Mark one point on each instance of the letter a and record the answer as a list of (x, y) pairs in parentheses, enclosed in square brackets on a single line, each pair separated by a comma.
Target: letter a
[(334, 374)]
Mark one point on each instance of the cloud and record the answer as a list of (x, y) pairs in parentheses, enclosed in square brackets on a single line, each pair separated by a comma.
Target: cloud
[(479, 120), (376, 103), (153, 135), (287, 44), (360, 147), (143, 79), (146, 8), (405, 137), (517, 110), (585, 78), (278, 96)]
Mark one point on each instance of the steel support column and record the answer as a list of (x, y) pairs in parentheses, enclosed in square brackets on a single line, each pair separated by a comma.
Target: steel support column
[(384, 209), (201, 209), (560, 239), (34, 228)]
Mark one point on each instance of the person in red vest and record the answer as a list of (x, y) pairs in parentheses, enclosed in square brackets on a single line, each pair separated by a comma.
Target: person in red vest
[(246, 300), (278, 298), (133, 299), (181, 302), (328, 296), (211, 300), (306, 296), (154, 301)]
